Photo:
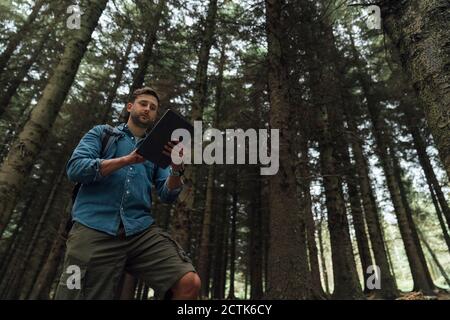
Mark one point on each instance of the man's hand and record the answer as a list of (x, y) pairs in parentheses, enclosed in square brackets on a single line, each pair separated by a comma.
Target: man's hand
[(133, 158), (168, 152), (174, 181), (110, 165)]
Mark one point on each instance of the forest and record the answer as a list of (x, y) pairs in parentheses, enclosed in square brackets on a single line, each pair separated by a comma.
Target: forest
[(359, 91)]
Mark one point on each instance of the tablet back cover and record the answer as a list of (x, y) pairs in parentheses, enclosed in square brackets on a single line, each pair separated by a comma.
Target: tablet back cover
[(153, 145)]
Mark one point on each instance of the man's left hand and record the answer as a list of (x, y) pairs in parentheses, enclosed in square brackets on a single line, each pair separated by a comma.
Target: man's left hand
[(168, 152)]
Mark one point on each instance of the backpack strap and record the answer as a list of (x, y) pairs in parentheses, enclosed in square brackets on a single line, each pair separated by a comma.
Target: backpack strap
[(108, 135), (107, 138)]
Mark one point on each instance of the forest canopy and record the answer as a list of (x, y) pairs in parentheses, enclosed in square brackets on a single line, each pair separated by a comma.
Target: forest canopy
[(360, 94)]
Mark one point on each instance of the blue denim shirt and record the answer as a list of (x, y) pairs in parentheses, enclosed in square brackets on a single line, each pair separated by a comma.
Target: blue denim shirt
[(125, 194)]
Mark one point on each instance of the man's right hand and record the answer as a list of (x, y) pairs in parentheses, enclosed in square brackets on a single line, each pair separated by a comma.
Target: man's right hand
[(111, 165), (133, 158)]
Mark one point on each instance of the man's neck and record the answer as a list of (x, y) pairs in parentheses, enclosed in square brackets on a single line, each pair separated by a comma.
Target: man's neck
[(135, 130)]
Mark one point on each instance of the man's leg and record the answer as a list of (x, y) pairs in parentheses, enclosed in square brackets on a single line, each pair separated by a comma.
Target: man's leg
[(159, 260), (187, 288), (93, 265)]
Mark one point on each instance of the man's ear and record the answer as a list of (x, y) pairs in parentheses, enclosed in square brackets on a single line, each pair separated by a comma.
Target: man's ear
[(129, 106)]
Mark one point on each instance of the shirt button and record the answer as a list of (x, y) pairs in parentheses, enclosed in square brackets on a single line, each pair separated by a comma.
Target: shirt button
[(128, 192), (128, 180)]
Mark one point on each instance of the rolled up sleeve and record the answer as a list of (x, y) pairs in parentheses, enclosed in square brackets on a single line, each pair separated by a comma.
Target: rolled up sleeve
[(84, 164)]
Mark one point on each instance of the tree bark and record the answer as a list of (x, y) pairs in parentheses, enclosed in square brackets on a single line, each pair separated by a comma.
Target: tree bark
[(420, 30), (287, 245)]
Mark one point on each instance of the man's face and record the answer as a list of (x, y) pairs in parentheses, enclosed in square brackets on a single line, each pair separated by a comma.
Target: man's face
[(143, 110)]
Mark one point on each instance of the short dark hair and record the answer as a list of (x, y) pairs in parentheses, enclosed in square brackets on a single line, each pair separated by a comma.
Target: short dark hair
[(124, 115), (144, 90)]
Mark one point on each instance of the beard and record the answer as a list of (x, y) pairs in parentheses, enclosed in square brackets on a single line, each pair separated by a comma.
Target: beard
[(141, 121)]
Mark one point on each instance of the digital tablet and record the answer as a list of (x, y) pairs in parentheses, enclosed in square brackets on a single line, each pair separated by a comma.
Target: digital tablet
[(153, 145)]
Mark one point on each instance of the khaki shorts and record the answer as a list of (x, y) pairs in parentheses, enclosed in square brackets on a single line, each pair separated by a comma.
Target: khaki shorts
[(95, 262)]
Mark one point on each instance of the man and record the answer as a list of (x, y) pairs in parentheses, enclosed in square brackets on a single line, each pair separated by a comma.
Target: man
[(113, 227)]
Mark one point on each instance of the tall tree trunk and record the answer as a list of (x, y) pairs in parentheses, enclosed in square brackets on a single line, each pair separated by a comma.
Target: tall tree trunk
[(204, 252), (255, 244), (305, 183), (388, 288), (221, 244), (24, 151), (186, 202), (411, 119), (420, 30), (440, 218), (118, 74), (346, 283), (418, 270), (322, 255), (409, 215), (326, 94), (287, 247), (350, 177), (150, 40), (232, 244)]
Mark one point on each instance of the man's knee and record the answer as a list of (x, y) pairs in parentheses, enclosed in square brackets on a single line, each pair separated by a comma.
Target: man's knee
[(189, 284)]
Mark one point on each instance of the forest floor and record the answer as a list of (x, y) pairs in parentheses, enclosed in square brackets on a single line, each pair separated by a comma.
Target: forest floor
[(442, 295)]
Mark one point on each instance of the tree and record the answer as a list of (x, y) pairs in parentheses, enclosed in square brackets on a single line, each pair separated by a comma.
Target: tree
[(180, 224), (287, 249), (30, 141), (420, 31)]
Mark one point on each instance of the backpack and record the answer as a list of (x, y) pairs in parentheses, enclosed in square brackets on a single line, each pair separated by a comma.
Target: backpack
[(108, 135)]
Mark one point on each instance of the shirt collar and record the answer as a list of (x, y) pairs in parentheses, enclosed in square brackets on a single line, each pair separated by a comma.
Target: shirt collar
[(124, 127)]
